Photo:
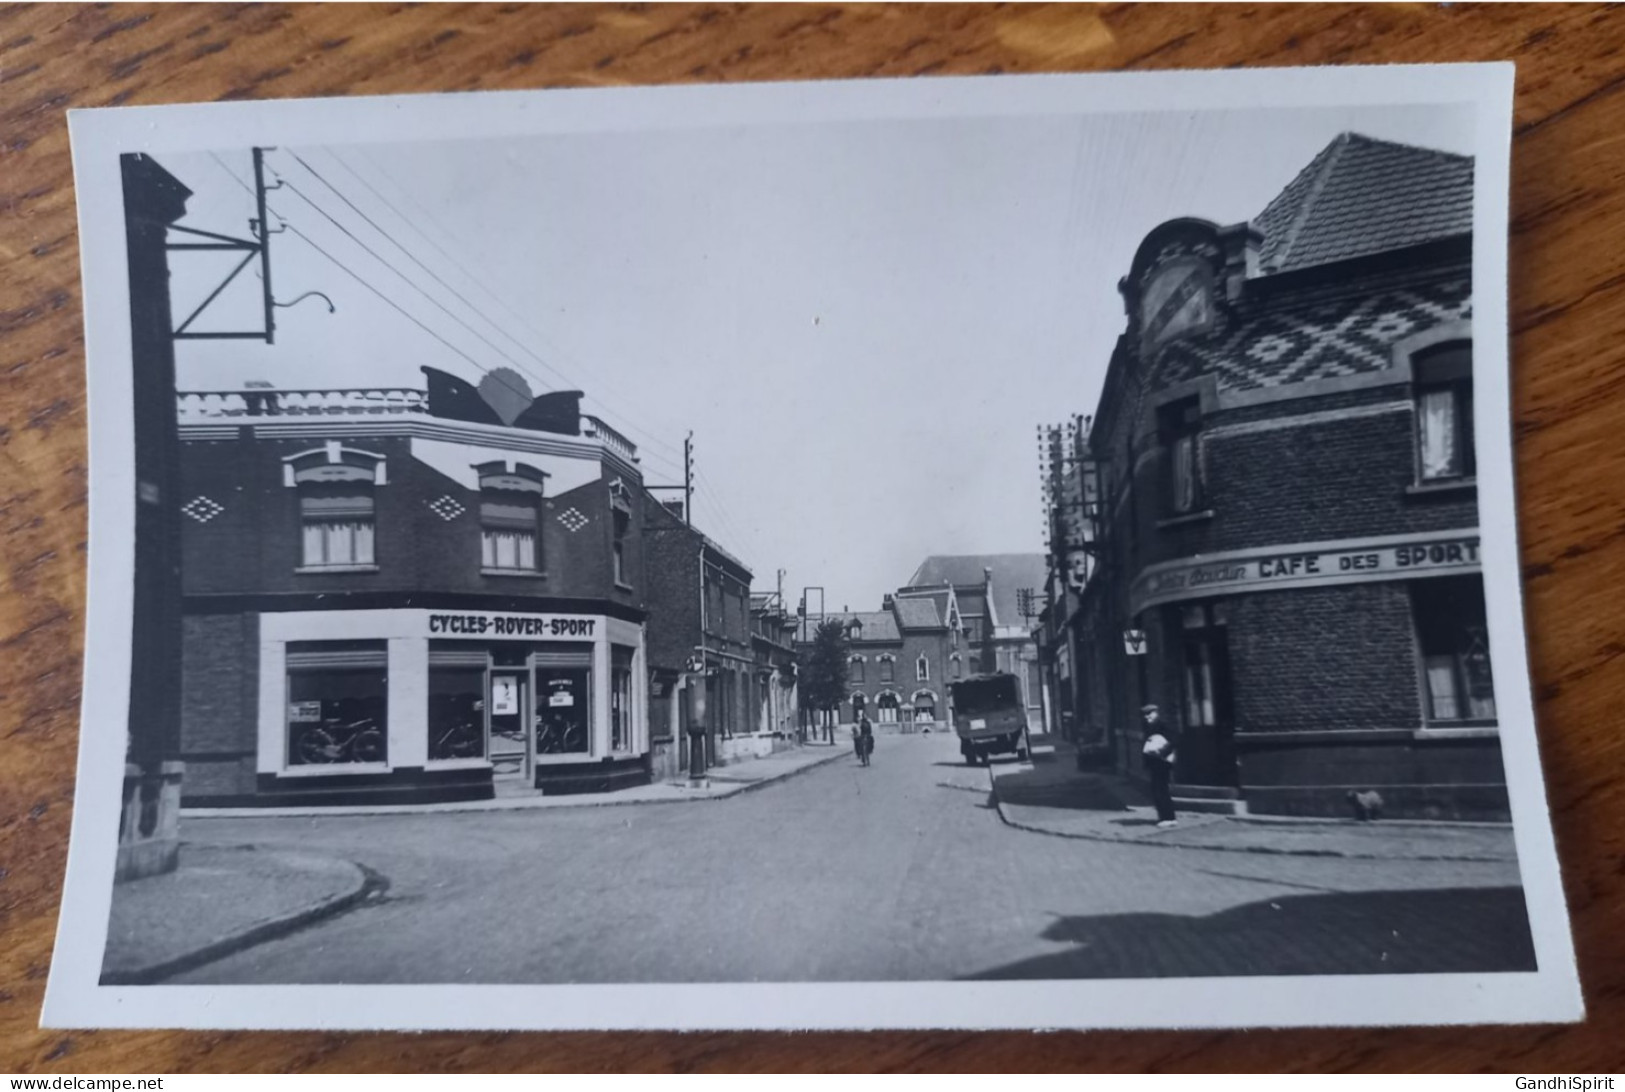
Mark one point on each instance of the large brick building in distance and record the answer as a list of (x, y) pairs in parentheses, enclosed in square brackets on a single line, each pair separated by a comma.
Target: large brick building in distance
[(1287, 507), (409, 596), (958, 615)]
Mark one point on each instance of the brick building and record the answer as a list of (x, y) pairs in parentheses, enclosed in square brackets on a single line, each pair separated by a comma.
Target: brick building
[(1284, 451), (699, 603), (985, 593), (957, 616), (409, 596)]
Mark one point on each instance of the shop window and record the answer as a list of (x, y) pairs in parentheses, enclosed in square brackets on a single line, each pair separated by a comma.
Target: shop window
[(457, 725), (620, 698), (1444, 412), (510, 510), (1454, 640), (563, 703), (337, 703), (886, 669), (922, 669), (336, 513), (1180, 425), (854, 669)]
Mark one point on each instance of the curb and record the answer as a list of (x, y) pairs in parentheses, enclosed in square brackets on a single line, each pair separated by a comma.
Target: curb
[(367, 884), (1275, 851), (496, 804)]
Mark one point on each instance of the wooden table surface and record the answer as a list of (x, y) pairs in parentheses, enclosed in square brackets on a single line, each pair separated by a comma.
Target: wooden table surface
[(1568, 324)]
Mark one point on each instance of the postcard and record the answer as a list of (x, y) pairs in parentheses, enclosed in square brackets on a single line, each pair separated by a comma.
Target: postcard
[(1029, 552)]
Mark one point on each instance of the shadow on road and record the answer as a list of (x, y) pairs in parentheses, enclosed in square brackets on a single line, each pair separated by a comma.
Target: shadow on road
[(1368, 932), (1043, 788)]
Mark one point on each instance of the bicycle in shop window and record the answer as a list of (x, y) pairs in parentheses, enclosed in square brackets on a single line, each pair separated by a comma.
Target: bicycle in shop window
[(341, 741), (560, 734), (464, 739)]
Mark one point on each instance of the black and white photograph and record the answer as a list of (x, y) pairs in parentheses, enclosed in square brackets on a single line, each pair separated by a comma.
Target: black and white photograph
[(997, 552)]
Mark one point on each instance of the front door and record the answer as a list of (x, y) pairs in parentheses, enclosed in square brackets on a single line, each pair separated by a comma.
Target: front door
[(510, 724), (1207, 753)]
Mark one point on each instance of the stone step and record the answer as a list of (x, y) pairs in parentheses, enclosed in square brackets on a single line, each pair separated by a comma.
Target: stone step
[(1210, 805), (1206, 792)]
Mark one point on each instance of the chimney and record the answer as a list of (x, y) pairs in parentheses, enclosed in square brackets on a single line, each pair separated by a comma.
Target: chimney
[(886, 602)]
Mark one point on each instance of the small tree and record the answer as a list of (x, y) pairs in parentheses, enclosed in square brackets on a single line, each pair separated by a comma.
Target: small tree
[(823, 667)]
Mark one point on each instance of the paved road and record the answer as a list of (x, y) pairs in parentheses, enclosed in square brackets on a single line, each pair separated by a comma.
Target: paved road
[(898, 871)]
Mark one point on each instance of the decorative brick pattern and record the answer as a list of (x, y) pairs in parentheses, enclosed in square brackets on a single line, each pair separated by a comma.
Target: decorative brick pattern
[(202, 509), (572, 519), (1316, 340), (446, 507)]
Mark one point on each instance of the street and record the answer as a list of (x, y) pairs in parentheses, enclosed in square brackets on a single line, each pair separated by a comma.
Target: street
[(899, 871)]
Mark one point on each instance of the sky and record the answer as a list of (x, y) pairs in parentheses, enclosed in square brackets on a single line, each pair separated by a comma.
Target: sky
[(862, 324)]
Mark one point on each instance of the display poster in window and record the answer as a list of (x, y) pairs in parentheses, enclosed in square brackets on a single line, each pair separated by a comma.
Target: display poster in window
[(504, 695), (305, 712)]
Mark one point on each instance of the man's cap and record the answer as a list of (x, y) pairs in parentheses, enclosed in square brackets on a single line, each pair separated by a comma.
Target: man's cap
[(1149, 707)]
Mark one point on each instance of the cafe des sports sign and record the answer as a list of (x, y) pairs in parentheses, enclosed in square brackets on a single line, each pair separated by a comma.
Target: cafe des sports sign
[(1310, 565)]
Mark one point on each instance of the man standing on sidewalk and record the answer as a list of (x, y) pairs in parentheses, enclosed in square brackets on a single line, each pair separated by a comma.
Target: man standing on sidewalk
[(1158, 754)]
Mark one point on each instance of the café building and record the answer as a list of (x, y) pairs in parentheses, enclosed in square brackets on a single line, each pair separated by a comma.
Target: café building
[(408, 596), (1288, 543)]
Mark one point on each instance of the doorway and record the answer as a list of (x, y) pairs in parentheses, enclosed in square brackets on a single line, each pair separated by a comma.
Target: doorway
[(510, 750), (1207, 749)]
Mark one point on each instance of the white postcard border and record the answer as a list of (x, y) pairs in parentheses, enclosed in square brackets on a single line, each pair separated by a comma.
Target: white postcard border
[(75, 999)]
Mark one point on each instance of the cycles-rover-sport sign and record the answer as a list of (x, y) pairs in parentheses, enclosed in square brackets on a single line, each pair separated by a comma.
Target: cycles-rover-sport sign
[(511, 625), (1310, 565)]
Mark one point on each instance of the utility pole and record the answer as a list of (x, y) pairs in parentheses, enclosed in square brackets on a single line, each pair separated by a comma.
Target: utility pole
[(688, 478)]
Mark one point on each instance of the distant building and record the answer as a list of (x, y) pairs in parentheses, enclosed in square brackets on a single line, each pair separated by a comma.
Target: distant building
[(982, 596), (1288, 509), (957, 616)]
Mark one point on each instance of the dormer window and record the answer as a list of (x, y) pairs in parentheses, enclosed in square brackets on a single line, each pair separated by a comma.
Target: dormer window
[(854, 630), (510, 518), (336, 508)]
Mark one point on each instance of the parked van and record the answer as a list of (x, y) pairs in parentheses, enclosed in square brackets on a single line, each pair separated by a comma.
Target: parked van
[(989, 716)]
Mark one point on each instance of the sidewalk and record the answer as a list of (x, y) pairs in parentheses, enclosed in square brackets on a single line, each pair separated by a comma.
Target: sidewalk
[(720, 782), (1052, 797), (220, 900)]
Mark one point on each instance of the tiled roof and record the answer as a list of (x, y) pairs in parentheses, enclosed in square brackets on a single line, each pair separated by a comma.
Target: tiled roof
[(878, 625), (918, 613), (1362, 196), (1011, 572)]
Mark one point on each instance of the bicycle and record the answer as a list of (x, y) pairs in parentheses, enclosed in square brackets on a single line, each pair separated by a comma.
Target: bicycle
[(355, 741), (560, 737), (461, 740)]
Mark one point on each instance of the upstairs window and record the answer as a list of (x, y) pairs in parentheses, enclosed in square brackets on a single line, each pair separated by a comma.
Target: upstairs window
[(1444, 412), (622, 522), (886, 670), (854, 669), (336, 488), (1180, 425), (510, 518), (922, 669)]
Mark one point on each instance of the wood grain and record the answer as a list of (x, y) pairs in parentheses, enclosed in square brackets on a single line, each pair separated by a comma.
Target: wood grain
[(1568, 318)]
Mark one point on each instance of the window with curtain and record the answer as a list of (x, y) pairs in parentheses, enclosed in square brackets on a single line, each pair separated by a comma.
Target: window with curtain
[(1444, 412), (1181, 424), (1454, 640), (886, 669), (336, 523), (508, 533), (510, 518)]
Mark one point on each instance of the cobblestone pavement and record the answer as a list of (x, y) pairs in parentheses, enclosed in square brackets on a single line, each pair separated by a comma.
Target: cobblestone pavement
[(899, 871)]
